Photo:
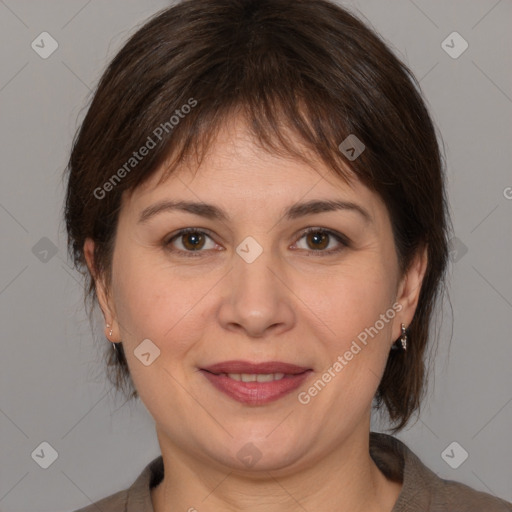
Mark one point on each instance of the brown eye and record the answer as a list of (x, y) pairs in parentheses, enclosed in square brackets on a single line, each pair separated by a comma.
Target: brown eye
[(317, 239), (193, 241), (189, 242)]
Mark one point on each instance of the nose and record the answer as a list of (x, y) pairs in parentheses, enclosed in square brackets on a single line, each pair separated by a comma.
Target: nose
[(257, 299)]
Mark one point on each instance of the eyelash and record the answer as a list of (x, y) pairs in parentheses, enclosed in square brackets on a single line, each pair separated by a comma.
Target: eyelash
[(194, 254)]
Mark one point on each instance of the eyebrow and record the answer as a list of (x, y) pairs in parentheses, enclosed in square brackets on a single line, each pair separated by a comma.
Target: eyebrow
[(213, 212)]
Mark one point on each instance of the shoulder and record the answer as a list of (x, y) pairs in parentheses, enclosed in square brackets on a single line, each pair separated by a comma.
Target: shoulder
[(455, 496), (114, 503), (422, 490), (137, 498)]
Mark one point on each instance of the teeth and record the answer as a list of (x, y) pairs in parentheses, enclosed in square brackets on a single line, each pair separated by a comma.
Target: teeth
[(255, 377)]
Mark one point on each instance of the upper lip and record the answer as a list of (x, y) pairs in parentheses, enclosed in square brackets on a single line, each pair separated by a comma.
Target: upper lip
[(255, 368)]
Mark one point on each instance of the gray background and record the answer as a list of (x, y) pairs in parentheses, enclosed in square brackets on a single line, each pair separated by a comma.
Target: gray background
[(52, 384)]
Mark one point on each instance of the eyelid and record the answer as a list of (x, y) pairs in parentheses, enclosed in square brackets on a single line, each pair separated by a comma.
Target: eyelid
[(184, 231)]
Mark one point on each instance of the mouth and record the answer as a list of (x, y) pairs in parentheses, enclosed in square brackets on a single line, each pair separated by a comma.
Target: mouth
[(248, 368), (256, 383)]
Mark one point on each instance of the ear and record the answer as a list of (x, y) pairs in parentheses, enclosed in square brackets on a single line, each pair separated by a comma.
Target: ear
[(105, 300), (409, 289)]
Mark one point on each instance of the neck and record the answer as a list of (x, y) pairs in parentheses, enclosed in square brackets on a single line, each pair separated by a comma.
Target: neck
[(346, 479)]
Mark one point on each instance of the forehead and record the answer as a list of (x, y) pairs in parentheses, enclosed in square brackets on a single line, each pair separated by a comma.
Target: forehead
[(237, 169)]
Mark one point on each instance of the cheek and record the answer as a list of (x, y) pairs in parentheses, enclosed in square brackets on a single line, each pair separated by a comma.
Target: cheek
[(355, 297), (358, 310), (155, 303), (161, 302)]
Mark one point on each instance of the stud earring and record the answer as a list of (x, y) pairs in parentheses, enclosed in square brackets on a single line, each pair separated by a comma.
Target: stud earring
[(114, 343)]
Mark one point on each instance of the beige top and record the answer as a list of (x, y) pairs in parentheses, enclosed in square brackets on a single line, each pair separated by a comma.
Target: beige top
[(422, 490)]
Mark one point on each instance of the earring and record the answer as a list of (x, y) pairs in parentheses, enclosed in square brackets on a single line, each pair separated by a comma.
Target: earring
[(403, 338), (114, 344)]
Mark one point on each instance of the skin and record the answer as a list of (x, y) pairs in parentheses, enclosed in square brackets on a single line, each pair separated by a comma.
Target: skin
[(291, 304)]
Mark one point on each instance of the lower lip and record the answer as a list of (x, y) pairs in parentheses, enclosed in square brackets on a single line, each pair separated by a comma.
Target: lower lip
[(256, 393)]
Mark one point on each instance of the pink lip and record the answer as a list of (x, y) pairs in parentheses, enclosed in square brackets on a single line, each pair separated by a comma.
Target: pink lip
[(238, 366), (256, 393)]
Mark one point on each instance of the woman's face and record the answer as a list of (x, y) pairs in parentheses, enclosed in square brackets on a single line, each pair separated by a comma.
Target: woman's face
[(253, 287)]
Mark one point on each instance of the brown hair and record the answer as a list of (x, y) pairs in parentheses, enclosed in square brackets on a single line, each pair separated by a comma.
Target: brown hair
[(306, 65)]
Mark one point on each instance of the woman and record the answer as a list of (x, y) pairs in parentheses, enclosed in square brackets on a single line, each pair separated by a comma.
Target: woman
[(256, 199)]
